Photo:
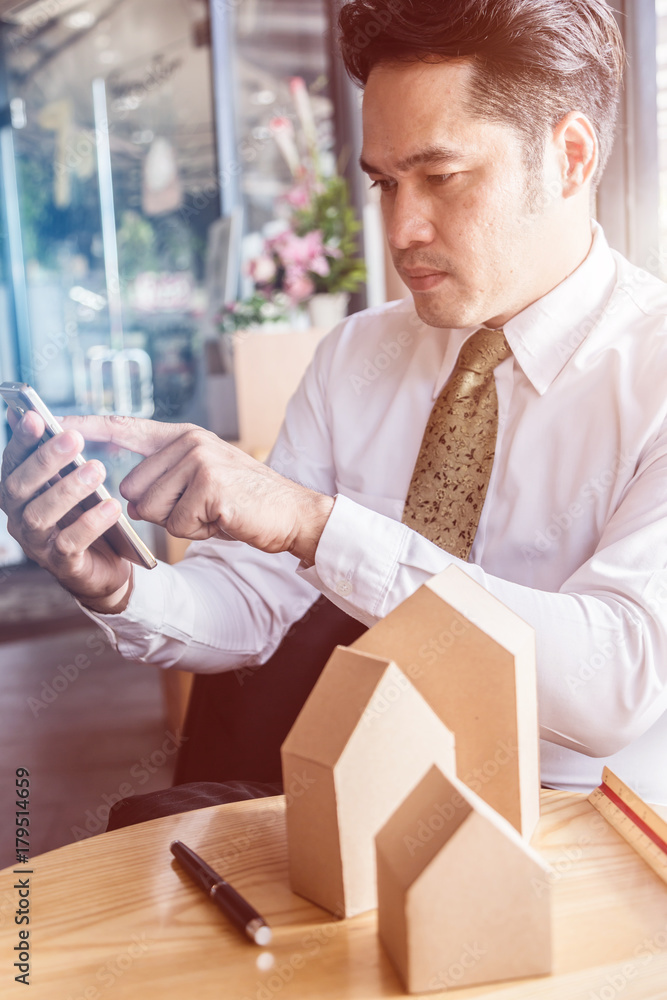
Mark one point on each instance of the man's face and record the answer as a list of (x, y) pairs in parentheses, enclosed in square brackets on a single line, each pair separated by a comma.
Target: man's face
[(457, 198)]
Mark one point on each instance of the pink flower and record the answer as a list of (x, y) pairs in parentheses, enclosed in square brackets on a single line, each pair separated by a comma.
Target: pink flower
[(306, 251), (283, 133), (298, 285), (320, 265), (262, 270), (298, 197), (304, 109), (282, 124)]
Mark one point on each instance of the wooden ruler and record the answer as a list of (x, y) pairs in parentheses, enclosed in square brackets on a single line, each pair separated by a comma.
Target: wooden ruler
[(634, 820)]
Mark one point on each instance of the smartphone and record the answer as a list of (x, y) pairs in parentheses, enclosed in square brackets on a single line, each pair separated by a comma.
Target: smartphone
[(121, 536)]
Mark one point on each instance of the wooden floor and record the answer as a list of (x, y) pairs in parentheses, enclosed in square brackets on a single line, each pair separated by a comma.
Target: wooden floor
[(84, 722)]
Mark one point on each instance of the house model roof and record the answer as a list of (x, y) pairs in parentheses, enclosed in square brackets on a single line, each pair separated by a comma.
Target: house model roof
[(363, 739), (473, 661), (453, 874)]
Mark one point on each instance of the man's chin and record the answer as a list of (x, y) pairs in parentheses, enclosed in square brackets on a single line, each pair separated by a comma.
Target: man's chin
[(442, 315)]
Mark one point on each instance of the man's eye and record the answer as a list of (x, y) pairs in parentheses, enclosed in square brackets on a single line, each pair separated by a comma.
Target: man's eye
[(440, 178), (383, 185)]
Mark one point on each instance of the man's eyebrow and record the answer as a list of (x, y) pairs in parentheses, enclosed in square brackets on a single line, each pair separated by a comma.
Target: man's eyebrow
[(432, 155)]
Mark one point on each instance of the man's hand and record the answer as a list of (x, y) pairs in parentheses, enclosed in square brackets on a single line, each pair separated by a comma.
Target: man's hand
[(198, 486), (41, 519)]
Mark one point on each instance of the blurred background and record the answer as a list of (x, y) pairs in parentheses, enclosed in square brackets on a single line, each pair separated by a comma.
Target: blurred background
[(149, 149)]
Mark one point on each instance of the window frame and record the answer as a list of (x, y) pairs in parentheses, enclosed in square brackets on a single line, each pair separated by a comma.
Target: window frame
[(628, 201)]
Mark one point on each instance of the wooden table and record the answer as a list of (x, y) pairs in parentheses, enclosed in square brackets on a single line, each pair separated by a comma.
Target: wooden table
[(113, 917)]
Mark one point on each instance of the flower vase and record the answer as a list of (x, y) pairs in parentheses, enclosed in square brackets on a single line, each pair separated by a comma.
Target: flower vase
[(326, 309)]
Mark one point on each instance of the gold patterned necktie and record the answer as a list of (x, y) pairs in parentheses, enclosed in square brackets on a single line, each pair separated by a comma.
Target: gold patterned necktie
[(452, 473)]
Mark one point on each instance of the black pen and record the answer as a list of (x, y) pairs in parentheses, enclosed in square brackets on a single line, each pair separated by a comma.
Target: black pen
[(234, 906)]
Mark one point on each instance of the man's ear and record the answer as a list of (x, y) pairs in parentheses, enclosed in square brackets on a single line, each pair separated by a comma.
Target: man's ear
[(578, 150)]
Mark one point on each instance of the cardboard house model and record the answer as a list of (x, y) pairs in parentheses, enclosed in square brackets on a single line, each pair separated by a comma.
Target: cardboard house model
[(457, 903), (362, 741), (473, 660)]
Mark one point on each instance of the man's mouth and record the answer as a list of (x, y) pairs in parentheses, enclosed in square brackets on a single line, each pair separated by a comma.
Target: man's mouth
[(422, 279)]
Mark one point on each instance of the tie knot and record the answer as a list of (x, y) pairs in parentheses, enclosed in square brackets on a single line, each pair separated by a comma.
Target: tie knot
[(484, 351)]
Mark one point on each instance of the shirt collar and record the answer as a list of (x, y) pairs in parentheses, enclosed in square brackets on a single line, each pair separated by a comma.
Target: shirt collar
[(544, 336)]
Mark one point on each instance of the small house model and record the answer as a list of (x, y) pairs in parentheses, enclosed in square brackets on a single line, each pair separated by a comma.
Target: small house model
[(362, 741), (457, 903), (473, 660)]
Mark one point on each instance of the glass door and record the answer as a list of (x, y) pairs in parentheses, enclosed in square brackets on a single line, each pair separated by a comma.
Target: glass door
[(111, 146), (113, 132)]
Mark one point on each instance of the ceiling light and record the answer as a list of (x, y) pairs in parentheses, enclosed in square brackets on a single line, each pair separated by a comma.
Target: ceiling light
[(129, 103), (143, 137), (263, 97), (87, 298), (80, 19), (35, 15), (17, 111)]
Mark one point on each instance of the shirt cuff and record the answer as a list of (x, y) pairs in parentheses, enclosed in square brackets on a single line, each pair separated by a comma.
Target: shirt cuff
[(357, 559), (130, 631)]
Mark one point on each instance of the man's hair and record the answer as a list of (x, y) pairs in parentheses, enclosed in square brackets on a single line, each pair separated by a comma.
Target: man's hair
[(535, 60)]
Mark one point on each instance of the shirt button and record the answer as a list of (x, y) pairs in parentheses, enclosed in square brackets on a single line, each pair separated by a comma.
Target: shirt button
[(343, 588)]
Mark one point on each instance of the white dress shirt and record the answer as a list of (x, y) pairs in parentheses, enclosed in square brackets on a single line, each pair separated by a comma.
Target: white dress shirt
[(572, 537)]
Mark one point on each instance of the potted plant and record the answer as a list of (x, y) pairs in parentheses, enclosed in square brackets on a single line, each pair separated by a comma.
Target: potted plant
[(313, 262)]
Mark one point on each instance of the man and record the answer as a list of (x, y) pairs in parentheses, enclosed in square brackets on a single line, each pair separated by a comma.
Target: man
[(486, 127)]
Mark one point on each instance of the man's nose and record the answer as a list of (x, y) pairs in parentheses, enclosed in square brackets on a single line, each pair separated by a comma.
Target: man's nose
[(407, 220)]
